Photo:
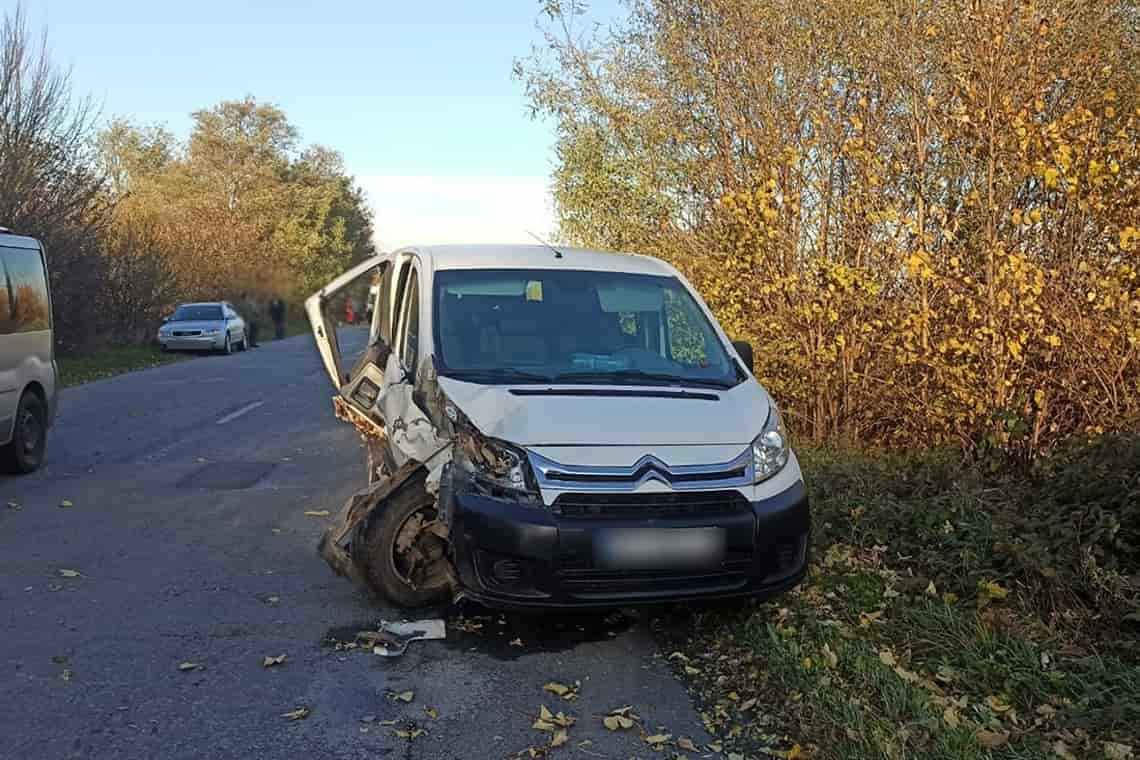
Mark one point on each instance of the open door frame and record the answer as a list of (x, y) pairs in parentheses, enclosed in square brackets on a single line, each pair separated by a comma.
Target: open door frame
[(324, 325)]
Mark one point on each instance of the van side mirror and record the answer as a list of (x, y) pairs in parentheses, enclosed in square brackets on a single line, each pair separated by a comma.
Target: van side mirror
[(744, 348)]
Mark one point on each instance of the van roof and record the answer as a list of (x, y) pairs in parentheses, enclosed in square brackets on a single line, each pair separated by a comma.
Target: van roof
[(539, 257), (17, 241)]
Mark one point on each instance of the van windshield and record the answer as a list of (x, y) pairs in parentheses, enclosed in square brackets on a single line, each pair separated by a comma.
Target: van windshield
[(197, 313), (577, 327)]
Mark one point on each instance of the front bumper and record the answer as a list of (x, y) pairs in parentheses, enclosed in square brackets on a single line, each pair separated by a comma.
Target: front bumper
[(194, 343), (514, 556)]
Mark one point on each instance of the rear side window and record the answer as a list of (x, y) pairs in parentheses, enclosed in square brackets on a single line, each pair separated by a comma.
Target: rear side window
[(24, 304)]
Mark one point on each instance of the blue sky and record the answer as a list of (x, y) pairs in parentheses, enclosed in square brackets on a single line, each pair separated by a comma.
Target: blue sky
[(417, 96)]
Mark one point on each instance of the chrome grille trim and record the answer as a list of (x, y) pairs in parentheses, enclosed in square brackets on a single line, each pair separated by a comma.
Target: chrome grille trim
[(562, 477)]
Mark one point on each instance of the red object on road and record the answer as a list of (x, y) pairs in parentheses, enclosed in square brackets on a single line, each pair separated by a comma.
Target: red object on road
[(349, 312)]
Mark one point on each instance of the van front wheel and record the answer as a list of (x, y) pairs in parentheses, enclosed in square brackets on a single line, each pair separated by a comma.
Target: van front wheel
[(402, 552), (25, 452)]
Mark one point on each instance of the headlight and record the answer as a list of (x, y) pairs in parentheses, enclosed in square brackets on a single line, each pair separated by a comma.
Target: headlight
[(495, 467), (770, 449)]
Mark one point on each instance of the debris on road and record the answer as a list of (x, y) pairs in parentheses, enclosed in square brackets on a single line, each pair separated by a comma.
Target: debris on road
[(316, 513), (403, 696), (269, 662), (299, 714), (393, 638), (66, 504), (70, 573), (189, 666), (14, 505)]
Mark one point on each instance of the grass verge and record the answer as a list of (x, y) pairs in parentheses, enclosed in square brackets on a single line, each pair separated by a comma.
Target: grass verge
[(76, 370), (947, 615)]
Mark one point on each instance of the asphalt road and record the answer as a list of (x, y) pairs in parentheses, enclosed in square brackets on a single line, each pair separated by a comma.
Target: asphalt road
[(188, 485)]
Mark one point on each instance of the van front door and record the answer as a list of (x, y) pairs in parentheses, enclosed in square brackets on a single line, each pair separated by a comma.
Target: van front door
[(320, 308)]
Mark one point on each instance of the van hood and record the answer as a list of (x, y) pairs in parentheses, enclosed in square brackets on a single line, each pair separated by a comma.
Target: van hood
[(594, 415)]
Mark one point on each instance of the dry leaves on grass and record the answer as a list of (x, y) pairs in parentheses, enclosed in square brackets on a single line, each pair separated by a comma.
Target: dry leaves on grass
[(992, 739)]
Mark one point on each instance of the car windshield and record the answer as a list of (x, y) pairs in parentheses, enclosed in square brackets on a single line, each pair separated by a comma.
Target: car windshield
[(196, 312), (571, 326)]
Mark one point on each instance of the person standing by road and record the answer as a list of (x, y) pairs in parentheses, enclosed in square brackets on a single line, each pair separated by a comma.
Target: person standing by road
[(250, 312), (277, 314)]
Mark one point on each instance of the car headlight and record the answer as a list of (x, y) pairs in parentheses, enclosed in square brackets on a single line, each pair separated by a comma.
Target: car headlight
[(496, 468), (770, 450)]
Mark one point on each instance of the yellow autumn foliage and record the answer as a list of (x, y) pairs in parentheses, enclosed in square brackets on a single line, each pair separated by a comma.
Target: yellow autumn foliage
[(930, 239)]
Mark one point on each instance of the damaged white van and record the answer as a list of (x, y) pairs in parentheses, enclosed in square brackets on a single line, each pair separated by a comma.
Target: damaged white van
[(556, 429)]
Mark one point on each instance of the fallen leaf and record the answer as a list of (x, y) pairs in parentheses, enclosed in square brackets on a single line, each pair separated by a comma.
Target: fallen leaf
[(299, 714), (189, 666), (273, 599), (747, 704), (794, 753), (566, 692), (70, 573), (560, 737), (997, 704), (271, 661), (432, 713), (950, 716), (411, 734), (658, 740), (14, 505), (544, 714), (1060, 749), (1114, 751), (867, 618), (389, 722), (542, 725), (65, 675), (686, 744), (993, 590), (830, 656), (887, 658), (678, 656), (516, 642), (316, 513), (992, 739), (405, 696), (66, 504), (691, 671), (931, 590)]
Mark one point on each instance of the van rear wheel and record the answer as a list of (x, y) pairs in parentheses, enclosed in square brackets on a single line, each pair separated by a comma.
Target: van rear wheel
[(25, 452)]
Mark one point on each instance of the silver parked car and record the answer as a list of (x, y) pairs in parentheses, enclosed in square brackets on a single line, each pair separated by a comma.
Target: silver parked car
[(28, 377), (212, 326)]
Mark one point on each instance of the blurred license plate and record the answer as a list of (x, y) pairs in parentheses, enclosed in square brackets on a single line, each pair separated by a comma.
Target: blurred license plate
[(658, 548)]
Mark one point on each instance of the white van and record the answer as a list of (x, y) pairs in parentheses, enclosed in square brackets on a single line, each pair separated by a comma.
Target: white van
[(555, 429), (28, 377)]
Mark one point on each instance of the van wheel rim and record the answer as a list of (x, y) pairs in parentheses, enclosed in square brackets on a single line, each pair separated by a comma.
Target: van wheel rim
[(29, 431), (419, 552)]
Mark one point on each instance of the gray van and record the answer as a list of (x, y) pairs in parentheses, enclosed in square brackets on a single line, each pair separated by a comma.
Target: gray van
[(28, 375)]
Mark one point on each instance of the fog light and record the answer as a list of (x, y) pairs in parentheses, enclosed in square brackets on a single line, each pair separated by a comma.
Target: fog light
[(507, 571)]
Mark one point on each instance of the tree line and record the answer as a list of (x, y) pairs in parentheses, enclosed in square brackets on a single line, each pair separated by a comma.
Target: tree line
[(135, 220), (923, 213)]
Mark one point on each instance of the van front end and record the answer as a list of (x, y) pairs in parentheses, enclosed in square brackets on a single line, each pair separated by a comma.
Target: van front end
[(605, 536)]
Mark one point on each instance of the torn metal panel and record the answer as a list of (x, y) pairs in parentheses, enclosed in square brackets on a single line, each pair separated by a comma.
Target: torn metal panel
[(355, 510), (412, 433)]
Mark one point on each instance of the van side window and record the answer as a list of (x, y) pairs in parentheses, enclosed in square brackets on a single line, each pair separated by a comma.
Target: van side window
[(684, 329), (412, 325), (26, 292)]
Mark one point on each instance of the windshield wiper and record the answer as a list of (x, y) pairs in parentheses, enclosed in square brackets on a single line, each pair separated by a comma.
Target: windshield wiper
[(637, 375), (497, 375)]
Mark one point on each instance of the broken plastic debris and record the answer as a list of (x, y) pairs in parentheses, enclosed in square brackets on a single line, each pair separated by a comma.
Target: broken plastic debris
[(393, 638)]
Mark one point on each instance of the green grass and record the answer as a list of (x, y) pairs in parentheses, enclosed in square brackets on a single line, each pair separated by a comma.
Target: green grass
[(948, 614), (76, 370)]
